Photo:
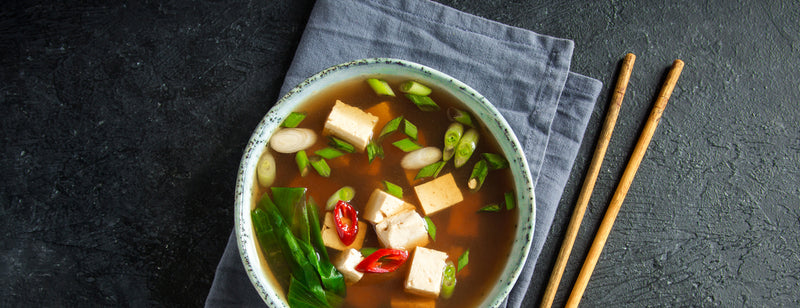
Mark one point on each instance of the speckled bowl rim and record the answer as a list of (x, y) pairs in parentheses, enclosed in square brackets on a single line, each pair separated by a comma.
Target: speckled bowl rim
[(479, 105)]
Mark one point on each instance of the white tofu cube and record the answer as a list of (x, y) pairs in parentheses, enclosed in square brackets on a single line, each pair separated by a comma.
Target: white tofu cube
[(404, 230), (382, 204), (346, 264), (331, 237), (351, 124), (425, 274), (438, 194)]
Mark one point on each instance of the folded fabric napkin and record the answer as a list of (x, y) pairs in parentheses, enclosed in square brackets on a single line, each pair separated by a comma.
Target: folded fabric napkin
[(524, 74)]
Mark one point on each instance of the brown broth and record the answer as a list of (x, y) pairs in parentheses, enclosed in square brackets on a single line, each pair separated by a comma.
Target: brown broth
[(488, 236)]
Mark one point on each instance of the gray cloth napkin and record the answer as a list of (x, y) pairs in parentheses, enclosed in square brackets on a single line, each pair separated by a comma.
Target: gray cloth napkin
[(524, 74)]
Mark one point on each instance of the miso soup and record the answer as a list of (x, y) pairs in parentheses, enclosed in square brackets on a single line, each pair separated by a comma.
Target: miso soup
[(483, 223)]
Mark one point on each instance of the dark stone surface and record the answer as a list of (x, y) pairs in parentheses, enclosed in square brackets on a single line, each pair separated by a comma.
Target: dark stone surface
[(123, 125)]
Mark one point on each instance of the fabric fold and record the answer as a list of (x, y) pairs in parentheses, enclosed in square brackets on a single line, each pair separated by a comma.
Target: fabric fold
[(524, 74)]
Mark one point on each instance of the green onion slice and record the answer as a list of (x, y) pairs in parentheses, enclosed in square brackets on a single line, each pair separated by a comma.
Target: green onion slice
[(465, 147), (381, 87), (451, 138), (329, 153), (424, 103), (463, 260), (510, 203), (431, 228), (414, 87), (459, 116), (393, 189), (294, 119), (410, 129), (406, 145), (448, 280), (431, 170), (342, 145), (366, 251), (302, 162), (496, 161), (490, 208), (390, 127), (345, 193), (374, 150), (478, 175), (320, 165)]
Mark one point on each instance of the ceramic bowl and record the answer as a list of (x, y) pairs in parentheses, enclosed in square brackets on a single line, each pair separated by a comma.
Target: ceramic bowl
[(245, 198)]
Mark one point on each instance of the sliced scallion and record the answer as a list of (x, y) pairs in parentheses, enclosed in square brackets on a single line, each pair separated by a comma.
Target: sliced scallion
[(374, 150), (478, 175), (329, 153), (293, 119), (451, 138), (345, 193), (320, 165), (266, 169), (490, 208), (463, 260), (510, 203), (459, 116), (431, 228), (431, 170), (448, 280), (381, 87), (414, 87), (393, 189), (424, 103), (366, 251), (342, 145), (495, 161), (302, 162), (410, 129), (406, 145), (465, 147), (390, 127)]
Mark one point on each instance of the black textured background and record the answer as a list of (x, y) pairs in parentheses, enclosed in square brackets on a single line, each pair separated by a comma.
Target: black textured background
[(123, 125)]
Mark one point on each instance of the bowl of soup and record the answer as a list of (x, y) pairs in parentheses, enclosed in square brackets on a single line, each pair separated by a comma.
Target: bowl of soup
[(383, 183)]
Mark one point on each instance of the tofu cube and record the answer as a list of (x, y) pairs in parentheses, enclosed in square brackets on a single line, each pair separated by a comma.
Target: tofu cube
[(351, 124), (425, 274), (438, 194), (404, 230), (382, 204), (346, 264), (331, 238)]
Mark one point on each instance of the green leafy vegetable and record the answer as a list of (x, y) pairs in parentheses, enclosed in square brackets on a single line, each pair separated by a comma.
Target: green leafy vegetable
[(463, 260), (490, 208), (495, 161), (321, 166), (390, 127), (410, 129), (431, 170), (381, 87), (510, 203), (341, 144), (424, 103), (393, 189), (431, 228), (406, 145), (478, 175), (293, 119), (416, 88), (329, 153)]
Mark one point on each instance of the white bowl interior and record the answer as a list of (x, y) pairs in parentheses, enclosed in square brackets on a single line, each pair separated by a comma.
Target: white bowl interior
[(245, 199)]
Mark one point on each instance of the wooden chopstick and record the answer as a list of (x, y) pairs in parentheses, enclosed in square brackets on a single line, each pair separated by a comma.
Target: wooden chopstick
[(588, 183), (624, 184)]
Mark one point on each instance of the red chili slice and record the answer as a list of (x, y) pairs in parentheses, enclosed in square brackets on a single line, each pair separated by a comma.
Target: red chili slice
[(383, 260), (347, 230)]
